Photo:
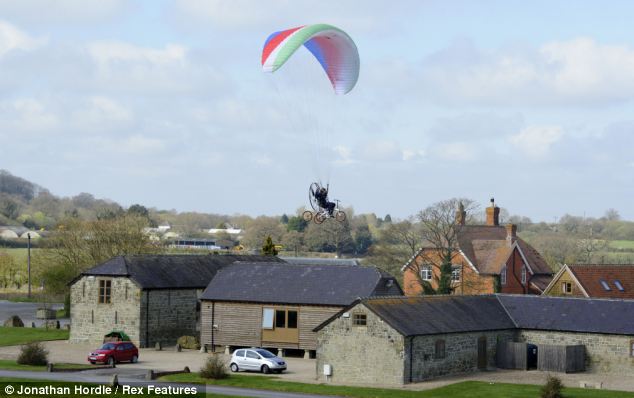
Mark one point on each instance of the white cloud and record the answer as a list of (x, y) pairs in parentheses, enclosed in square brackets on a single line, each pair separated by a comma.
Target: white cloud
[(456, 151), (100, 113), (579, 71), (27, 115), (381, 151), (536, 141), (60, 11), (344, 155), (413, 154), (12, 38)]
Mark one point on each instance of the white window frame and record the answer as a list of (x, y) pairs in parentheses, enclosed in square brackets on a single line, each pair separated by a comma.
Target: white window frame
[(503, 276), (456, 273), (426, 273), (564, 286), (524, 272)]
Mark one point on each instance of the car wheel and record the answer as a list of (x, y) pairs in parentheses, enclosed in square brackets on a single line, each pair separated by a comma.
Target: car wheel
[(234, 367), (93, 362), (135, 359), (111, 361), (265, 369)]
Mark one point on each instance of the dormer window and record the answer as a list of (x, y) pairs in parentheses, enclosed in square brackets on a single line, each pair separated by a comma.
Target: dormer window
[(605, 285), (523, 275), (618, 285), (503, 276), (455, 274)]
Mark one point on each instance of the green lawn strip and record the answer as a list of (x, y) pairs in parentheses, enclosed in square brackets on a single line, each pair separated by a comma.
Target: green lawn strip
[(467, 389), (34, 382), (17, 336), (622, 244), (10, 364)]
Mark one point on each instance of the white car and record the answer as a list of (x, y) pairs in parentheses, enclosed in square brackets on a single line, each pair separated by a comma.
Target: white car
[(257, 359)]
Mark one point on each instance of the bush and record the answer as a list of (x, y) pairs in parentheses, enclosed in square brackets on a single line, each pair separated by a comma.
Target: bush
[(189, 342), (552, 388), (214, 368), (33, 353)]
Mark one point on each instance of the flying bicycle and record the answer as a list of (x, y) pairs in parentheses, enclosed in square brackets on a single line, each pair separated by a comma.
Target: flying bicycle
[(322, 208)]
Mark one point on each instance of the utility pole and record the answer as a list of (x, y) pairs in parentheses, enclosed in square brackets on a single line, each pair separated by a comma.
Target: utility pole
[(28, 260)]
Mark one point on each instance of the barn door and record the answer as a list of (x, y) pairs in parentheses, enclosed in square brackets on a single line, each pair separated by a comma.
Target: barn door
[(482, 352)]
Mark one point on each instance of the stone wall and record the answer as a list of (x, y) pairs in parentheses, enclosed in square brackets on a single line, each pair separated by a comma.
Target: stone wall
[(605, 353), (90, 320), (167, 314), (371, 354), (461, 353)]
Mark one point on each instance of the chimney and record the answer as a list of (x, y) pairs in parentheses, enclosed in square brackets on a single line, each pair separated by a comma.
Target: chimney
[(493, 214), (511, 233), (461, 215)]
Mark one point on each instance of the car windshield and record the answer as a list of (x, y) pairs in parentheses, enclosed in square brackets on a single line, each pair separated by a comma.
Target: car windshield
[(265, 353), (107, 346)]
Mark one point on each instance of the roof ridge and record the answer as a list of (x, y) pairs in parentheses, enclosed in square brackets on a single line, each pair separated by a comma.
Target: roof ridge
[(497, 296)]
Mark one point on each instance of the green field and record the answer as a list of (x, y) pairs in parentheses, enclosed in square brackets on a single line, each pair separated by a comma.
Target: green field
[(622, 244), (467, 389), (16, 336), (10, 364)]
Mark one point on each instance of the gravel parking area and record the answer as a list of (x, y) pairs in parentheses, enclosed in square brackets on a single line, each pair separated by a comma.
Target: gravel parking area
[(303, 370)]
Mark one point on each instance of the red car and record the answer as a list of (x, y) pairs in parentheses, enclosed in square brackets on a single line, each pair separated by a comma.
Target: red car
[(113, 352)]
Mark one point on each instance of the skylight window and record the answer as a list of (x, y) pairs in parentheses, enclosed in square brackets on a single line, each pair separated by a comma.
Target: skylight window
[(618, 285), (605, 285)]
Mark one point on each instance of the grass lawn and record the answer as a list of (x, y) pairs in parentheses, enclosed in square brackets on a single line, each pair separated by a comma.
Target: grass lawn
[(622, 244), (467, 389), (15, 383), (10, 364), (16, 336)]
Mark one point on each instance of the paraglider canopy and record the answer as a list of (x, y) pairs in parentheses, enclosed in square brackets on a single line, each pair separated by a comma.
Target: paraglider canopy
[(331, 46)]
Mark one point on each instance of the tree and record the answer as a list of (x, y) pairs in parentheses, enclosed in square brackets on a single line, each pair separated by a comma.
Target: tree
[(138, 210), (284, 219), (268, 249), (387, 219), (293, 240), (612, 215), (362, 238), (259, 229), (77, 245), (439, 234), (296, 223), (396, 243), (331, 236)]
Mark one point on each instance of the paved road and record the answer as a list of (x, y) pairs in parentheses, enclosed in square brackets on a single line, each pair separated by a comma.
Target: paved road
[(137, 380), (26, 312)]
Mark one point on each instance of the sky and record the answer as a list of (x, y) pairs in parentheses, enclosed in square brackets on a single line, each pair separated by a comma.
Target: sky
[(164, 103)]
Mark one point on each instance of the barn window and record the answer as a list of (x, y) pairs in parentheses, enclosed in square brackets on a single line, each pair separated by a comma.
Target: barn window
[(280, 319), (292, 320), (83, 289), (267, 318), (439, 352), (126, 291), (116, 317), (605, 285), (92, 316), (503, 276), (618, 285), (632, 348), (425, 273), (455, 274), (523, 275), (105, 288), (566, 287), (359, 319)]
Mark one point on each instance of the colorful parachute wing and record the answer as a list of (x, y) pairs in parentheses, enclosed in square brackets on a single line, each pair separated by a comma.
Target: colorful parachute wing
[(332, 47)]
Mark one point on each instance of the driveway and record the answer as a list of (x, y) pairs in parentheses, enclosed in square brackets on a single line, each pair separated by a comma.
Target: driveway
[(302, 370), (26, 312)]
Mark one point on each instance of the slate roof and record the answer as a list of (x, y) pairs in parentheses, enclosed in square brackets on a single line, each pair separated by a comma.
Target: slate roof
[(591, 275), (570, 314), (427, 315), (320, 261), (336, 285), (169, 271)]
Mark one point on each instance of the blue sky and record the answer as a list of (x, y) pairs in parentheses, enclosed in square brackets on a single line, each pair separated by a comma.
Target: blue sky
[(164, 103)]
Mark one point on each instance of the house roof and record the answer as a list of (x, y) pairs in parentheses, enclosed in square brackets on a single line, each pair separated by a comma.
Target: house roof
[(320, 261), (169, 271), (426, 315), (487, 249), (440, 314), (570, 314), (591, 276), (336, 285)]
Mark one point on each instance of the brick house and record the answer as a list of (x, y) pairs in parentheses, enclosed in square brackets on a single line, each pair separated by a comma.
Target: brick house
[(414, 339), (152, 298), (278, 305), (488, 259), (593, 280)]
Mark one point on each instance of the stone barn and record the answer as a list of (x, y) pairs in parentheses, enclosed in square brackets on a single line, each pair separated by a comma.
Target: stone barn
[(152, 298), (278, 305), (395, 340)]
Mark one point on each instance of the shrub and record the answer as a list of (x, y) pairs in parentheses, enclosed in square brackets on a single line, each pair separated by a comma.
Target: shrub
[(552, 388), (189, 342), (214, 368), (33, 353)]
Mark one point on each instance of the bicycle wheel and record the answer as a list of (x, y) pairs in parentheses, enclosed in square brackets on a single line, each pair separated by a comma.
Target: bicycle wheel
[(340, 216), (307, 215)]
